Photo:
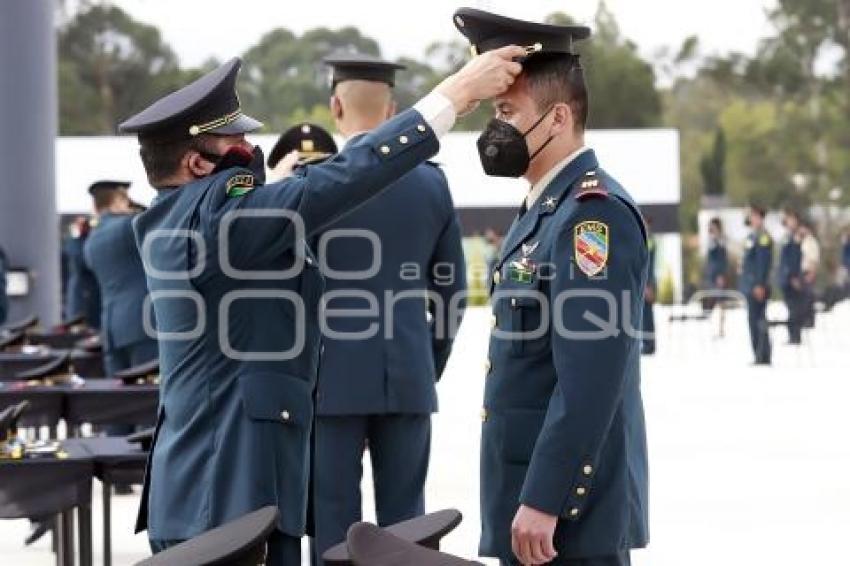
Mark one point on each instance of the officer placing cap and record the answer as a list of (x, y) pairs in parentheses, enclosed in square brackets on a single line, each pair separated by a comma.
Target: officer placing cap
[(238, 359), (563, 463), (312, 142)]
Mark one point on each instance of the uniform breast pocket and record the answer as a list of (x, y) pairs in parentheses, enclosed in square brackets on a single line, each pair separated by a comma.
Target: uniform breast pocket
[(529, 315)]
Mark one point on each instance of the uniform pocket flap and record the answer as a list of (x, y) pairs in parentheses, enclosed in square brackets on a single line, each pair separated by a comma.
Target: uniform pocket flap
[(277, 397), (521, 429)]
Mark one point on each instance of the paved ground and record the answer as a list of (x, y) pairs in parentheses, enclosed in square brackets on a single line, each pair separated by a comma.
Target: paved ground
[(748, 465)]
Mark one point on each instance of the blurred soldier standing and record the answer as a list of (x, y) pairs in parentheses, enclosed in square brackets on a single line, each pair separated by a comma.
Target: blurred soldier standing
[(112, 255), (236, 290), (755, 282), (790, 275), (377, 378), (564, 470), (810, 258), (716, 268), (845, 259)]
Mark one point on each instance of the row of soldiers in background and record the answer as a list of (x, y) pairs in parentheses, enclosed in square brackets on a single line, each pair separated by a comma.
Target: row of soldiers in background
[(799, 257)]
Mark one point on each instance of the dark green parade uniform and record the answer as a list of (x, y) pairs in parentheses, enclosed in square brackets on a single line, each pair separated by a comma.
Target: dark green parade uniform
[(236, 289), (563, 428), (790, 278), (755, 271)]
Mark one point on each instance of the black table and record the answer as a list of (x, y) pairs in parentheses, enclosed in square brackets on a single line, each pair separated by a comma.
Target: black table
[(98, 402), (116, 461), (45, 487)]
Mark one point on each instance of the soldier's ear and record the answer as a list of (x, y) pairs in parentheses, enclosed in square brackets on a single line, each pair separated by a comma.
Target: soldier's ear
[(197, 165), (336, 107), (563, 119), (391, 109)]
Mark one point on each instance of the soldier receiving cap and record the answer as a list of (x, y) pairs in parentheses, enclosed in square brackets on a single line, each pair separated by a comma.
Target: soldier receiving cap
[(238, 368), (563, 455), (312, 142), (373, 390)]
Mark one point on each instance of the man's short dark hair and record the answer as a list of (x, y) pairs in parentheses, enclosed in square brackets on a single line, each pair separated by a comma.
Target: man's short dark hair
[(758, 209), (557, 78), (717, 223), (162, 158)]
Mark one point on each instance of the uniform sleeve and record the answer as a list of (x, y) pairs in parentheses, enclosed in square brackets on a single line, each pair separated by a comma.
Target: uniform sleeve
[(4, 299), (593, 348), (764, 261), (447, 271), (320, 194)]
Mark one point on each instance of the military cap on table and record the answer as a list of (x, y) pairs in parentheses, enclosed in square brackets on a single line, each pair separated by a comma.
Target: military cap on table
[(361, 67), (313, 143), (208, 105), (486, 32)]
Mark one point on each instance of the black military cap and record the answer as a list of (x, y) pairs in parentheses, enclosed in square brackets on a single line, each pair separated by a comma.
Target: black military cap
[(312, 142), (208, 105), (370, 545), (426, 530), (487, 31), (108, 185), (357, 66), (238, 542)]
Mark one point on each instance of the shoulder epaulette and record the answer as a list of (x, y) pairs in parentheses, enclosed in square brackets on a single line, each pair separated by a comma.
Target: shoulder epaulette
[(436, 164), (591, 186)]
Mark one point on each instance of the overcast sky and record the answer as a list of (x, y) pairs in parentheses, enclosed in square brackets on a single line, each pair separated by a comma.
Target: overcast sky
[(199, 29)]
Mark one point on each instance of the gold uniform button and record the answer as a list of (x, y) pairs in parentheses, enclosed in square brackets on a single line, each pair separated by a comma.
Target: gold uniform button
[(421, 128), (483, 415), (574, 512), (402, 140), (588, 470), (487, 366), (385, 149), (493, 321), (284, 415), (581, 491), (497, 277)]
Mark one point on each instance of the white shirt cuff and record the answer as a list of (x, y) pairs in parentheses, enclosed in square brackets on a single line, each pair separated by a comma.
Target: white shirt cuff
[(438, 111)]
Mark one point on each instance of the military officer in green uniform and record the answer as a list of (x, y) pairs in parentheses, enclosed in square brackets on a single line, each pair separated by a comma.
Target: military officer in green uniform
[(563, 447), (235, 289)]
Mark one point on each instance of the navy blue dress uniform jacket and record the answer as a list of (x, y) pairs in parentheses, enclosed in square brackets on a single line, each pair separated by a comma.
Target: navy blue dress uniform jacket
[(716, 264), (790, 265), (111, 254), (394, 365), (758, 261), (234, 424), (4, 299), (563, 423), (82, 293)]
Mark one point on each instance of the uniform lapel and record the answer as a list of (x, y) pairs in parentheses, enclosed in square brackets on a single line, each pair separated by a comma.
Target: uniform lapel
[(546, 204)]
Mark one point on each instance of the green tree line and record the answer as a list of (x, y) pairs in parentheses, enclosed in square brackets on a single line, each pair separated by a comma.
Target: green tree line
[(773, 127)]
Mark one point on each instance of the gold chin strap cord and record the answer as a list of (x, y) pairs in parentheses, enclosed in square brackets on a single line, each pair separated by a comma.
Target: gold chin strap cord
[(217, 123)]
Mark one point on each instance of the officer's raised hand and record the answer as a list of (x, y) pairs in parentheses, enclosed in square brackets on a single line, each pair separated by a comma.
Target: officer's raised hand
[(485, 76)]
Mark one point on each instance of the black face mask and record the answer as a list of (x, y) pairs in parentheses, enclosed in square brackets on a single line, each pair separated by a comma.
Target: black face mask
[(237, 156), (503, 151)]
